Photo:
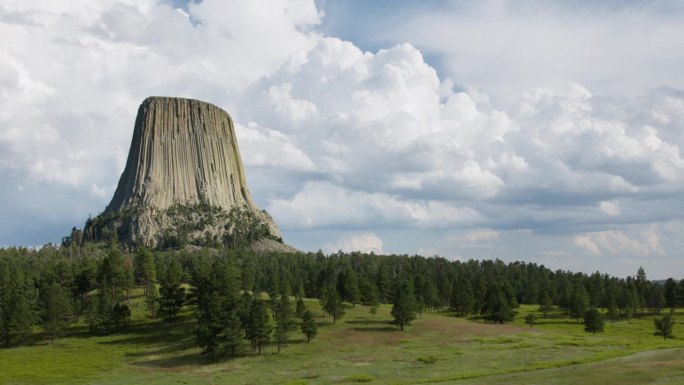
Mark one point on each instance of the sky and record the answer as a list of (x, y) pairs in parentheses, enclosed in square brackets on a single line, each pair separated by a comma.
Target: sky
[(541, 131)]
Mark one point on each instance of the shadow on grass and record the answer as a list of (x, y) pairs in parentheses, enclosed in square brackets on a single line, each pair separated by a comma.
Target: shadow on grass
[(158, 339), (367, 322), (189, 359), (376, 329)]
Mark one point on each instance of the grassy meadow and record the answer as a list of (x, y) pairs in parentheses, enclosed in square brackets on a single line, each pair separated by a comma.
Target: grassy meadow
[(361, 348)]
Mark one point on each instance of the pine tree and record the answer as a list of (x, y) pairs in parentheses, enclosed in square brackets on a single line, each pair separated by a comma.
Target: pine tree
[(373, 309), (113, 277), (333, 304), (145, 271), (404, 309), (120, 314), (369, 292), (545, 305), (209, 325), (152, 298), (233, 334), (462, 299), (679, 296), (664, 326), (219, 309), (593, 321), (350, 287), (497, 306), (670, 293), (55, 309), (300, 308), (309, 327), (531, 319), (429, 294), (283, 319), (17, 303), (612, 307), (258, 329), (171, 293), (579, 302), (92, 313)]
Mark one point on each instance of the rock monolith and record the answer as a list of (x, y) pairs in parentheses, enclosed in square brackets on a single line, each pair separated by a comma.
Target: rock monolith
[(183, 183)]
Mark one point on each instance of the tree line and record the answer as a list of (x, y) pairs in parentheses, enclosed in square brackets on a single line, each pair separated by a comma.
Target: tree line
[(243, 300)]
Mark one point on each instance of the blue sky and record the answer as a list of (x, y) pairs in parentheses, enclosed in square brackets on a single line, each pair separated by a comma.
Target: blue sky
[(523, 130)]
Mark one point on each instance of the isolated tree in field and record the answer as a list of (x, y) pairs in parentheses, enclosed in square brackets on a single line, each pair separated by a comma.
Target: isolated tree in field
[(333, 304), (664, 326), (545, 305), (593, 321), (531, 319), (309, 327), (171, 293), (404, 309), (373, 309)]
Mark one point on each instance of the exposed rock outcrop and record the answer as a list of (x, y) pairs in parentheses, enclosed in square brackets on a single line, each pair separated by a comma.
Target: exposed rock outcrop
[(183, 182)]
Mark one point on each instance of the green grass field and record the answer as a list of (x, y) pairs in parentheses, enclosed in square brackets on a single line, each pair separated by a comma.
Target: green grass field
[(362, 348)]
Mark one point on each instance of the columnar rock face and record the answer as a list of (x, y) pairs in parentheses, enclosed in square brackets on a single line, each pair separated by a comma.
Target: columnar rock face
[(183, 161)]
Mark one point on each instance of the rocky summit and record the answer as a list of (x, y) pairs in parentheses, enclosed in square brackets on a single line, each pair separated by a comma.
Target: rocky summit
[(183, 183)]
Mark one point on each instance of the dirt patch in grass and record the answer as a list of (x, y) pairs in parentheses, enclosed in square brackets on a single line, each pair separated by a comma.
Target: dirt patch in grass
[(358, 336), (461, 329)]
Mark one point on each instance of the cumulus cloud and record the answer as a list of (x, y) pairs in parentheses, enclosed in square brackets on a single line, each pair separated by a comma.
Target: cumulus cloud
[(609, 208), (615, 48), (66, 120), (264, 147), (363, 242), (338, 138), (614, 242), (323, 204)]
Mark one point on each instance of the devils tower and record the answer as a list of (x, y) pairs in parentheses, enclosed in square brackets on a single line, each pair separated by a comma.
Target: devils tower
[(183, 183)]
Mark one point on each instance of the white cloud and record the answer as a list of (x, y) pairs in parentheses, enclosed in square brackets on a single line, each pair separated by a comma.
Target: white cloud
[(264, 147), (338, 138), (475, 236), (610, 208), (363, 242), (615, 48), (614, 242), (323, 204)]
